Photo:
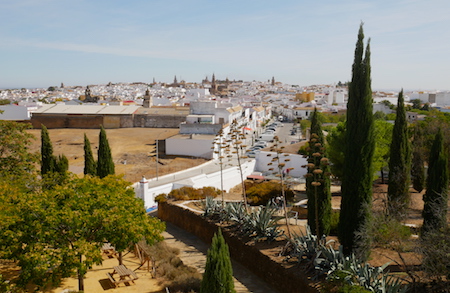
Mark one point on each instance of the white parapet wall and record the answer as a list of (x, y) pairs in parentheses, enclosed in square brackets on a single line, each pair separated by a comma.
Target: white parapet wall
[(231, 177)]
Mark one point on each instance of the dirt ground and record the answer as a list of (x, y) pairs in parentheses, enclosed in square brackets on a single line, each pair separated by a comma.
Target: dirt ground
[(132, 149)]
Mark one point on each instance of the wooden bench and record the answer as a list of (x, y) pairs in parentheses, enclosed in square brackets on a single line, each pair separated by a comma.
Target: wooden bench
[(108, 250), (133, 274), (114, 281)]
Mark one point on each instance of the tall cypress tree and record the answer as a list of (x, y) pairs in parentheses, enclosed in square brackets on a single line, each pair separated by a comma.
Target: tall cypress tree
[(359, 149), (218, 276), (90, 167), (435, 198), (399, 164), (48, 163), (417, 164), (318, 181), (105, 164)]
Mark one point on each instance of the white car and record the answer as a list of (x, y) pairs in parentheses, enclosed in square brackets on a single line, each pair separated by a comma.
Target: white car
[(261, 143)]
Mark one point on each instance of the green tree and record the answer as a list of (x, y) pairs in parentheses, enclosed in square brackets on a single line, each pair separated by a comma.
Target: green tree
[(435, 198), (318, 181), (379, 115), (218, 276), (383, 137), (105, 164), (416, 103), (90, 166), (399, 164), (359, 149), (335, 149), (418, 161), (48, 163), (57, 231), (336, 146), (15, 158), (388, 104)]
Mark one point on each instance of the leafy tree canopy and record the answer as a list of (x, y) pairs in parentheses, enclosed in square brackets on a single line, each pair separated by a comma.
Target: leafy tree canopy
[(336, 143), (55, 232), (15, 158)]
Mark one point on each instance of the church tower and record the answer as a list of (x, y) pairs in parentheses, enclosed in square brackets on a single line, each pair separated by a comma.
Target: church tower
[(213, 89), (148, 99)]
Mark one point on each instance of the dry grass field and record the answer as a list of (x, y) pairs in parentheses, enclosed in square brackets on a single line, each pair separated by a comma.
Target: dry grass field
[(133, 150)]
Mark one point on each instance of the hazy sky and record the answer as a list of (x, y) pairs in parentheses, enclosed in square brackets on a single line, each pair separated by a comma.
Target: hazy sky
[(79, 42)]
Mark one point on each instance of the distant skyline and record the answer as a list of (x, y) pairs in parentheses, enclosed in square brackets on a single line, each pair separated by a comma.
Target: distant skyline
[(80, 42)]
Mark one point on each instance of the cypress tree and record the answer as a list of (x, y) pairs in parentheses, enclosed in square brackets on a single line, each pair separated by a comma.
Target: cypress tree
[(318, 181), (359, 148), (105, 164), (435, 198), (90, 167), (48, 163), (218, 276), (417, 164), (399, 164)]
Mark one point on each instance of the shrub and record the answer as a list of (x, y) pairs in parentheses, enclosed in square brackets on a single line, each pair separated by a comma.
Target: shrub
[(387, 232), (435, 249), (177, 276), (262, 193), (161, 197), (185, 193), (189, 193)]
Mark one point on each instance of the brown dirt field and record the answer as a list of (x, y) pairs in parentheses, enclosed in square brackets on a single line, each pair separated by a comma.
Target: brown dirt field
[(132, 149)]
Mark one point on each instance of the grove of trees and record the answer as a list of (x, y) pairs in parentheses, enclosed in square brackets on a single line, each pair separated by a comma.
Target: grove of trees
[(56, 231)]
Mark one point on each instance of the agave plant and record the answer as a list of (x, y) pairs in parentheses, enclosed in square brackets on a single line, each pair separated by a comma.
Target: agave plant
[(335, 265), (211, 207), (262, 224), (306, 246), (235, 212)]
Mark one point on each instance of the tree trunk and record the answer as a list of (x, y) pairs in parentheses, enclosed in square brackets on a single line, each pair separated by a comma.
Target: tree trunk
[(80, 278)]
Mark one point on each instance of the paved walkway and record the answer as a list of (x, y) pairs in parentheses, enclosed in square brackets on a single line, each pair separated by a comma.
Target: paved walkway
[(193, 253)]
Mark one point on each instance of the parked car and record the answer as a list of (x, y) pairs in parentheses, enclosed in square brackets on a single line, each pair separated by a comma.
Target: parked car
[(251, 154), (262, 143), (257, 147), (266, 137)]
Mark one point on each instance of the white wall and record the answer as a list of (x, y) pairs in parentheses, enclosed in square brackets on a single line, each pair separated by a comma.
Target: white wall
[(443, 99), (231, 178), (14, 112), (195, 147)]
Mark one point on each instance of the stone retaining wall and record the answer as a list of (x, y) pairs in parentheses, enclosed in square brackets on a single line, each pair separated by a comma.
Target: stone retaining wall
[(286, 280)]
